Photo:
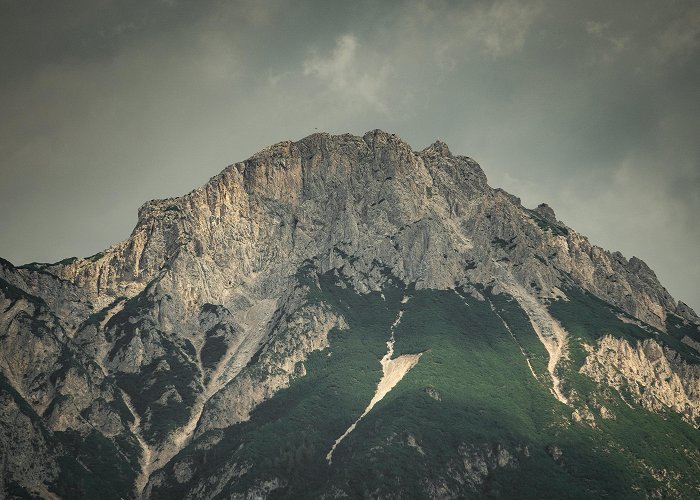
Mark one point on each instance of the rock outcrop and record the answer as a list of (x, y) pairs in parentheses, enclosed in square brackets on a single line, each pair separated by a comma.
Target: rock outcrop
[(656, 377), (426, 215)]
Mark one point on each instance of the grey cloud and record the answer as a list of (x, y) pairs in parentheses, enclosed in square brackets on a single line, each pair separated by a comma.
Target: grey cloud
[(348, 77)]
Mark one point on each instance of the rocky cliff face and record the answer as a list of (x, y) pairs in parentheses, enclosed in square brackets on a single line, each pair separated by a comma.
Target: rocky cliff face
[(657, 377), (208, 308), (371, 197)]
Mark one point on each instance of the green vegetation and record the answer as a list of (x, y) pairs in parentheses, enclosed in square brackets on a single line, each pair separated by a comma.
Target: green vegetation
[(679, 328), (99, 316), (172, 370), (65, 262), (153, 380), (504, 244), (40, 266), (293, 431), (487, 398), (215, 338), (13, 293), (34, 266), (138, 305), (15, 490), (518, 322), (24, 407), (96, 257), (588, 318), (546, 225), (470, 395), (92, 468), (470, 402), (213, 349), (662, 442)]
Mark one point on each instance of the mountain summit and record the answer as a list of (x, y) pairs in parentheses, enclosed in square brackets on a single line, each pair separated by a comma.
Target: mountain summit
[(344, 316)]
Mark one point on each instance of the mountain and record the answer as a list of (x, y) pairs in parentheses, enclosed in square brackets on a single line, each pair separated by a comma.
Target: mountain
[(343, 316)]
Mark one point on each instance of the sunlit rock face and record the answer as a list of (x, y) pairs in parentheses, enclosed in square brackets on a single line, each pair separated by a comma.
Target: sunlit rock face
[(167, 343)]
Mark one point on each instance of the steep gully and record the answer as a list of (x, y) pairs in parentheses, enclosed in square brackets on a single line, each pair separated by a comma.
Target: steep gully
[(548, 331), (393, 370), (253, 323)]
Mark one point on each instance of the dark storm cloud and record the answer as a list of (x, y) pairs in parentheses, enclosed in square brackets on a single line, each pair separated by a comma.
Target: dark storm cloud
[(590, 106), (37, 32)]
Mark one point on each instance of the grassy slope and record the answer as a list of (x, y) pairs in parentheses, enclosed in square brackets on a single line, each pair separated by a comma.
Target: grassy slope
[(488, 399), (290, 434), (662, 442)]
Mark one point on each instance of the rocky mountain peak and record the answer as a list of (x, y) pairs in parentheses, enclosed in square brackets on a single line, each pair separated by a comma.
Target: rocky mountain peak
[(164, 346), (426, 215), (546, 212), (439, 148), (641, 267), (685, 311)]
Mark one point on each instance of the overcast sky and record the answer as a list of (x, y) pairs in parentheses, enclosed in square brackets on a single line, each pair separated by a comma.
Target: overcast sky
[(591, 106)]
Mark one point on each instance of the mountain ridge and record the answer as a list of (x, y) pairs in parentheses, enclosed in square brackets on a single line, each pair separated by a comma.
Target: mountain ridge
[(224, 300), (256, 183)]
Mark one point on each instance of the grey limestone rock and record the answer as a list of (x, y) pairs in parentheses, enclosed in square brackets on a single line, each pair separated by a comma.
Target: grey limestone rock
[(207, 286)]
